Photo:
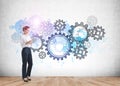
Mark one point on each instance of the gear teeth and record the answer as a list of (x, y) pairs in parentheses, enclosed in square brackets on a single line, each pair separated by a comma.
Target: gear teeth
[(54, 56), (76, 23), (80, 51), (97, 33), (57, 58), (61, 58), (64, 34), (85, 25), (42, 43), (72, 39), (42, 55), (48, 53), (59, 33), (72, 26), (59, 25), (81, 23)]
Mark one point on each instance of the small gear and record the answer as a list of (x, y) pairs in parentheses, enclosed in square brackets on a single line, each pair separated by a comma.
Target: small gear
[(38, 43), (80, 52), (42, 55), (79, 32), (58, 46), (59, 25), (97, 33)]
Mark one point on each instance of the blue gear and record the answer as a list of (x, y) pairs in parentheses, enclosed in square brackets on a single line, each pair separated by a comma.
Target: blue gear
[(53, 40), (72, 30)]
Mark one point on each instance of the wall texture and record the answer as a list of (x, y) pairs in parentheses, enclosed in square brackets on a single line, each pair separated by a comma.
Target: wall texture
[(103, 58)]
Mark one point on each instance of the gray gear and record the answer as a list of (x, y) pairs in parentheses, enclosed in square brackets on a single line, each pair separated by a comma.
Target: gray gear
[(59, 25), (42, 43), (97, 33), (80, 52), (87, 44), (42, 55)]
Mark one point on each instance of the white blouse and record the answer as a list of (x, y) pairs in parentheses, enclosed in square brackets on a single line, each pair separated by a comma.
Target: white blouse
[(24, 39)]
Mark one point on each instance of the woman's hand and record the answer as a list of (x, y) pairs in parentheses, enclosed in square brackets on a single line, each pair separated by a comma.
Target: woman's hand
[(29, 42)]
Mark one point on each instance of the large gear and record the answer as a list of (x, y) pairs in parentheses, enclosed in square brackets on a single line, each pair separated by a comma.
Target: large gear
[(80, 51), (58, 46), (38, 43), (59, 25), (97, 33), (79, 32), (42, 55)]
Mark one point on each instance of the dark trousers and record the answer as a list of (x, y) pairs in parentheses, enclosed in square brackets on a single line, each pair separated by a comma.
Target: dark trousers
[(26, 59)]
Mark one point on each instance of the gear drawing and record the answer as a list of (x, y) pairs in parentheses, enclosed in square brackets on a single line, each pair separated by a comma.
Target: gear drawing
[(42, 55), (38, 43), (80, 52), (97, 33), (87, 44), (58, 46), (67, 39), (59, 25), (79, 32)]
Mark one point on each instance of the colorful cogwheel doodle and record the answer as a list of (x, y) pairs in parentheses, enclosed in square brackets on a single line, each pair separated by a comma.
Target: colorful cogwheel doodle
[(60, 44), (79, 32), (38, 43), (79, 36), (77, 41)]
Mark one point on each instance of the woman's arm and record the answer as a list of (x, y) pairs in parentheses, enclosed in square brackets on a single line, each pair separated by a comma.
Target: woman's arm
[(29, 42)]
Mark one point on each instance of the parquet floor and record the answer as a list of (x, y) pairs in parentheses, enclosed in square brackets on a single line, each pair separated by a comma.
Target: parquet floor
[(61, 81)]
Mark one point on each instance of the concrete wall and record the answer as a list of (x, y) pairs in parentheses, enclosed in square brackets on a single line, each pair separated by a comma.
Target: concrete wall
[(103, 58)]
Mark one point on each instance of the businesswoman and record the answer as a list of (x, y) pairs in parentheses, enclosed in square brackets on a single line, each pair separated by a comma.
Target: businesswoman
[(27, 62)]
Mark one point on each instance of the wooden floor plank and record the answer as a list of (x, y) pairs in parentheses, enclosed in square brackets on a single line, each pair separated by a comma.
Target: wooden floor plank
[(61, 81)]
